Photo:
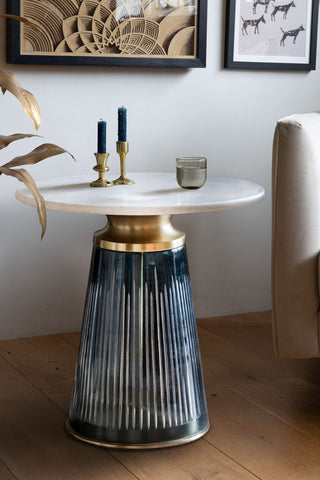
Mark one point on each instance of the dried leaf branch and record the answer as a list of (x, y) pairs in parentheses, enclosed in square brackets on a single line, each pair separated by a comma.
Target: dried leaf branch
[(9, 82), (20, 19), (23, 176), (5, 140), (42, 152), (45, 150)]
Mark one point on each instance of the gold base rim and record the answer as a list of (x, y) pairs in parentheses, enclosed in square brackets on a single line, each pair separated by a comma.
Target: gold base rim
[(123, 181), (137, 446), (138, 248), (97, 183), (135, 233)]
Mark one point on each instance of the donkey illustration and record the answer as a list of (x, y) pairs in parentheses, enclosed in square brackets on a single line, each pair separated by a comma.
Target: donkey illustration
[(281, 8), (252, 23), (291, 33), (260, 2)]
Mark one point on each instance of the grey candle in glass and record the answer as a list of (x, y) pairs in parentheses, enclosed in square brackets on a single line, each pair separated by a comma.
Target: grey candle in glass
[(191, 171)]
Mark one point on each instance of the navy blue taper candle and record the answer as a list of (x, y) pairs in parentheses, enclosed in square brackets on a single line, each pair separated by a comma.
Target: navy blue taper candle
[(122, 124), (102, 136)]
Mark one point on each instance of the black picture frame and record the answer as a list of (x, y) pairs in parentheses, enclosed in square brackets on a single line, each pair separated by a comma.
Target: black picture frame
[(271, 48), (16, 30)]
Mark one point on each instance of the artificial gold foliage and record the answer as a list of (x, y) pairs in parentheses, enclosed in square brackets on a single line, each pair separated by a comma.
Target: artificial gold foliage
[(24, 176), (42, 152), (31, 107), (8, 81), (5, 140), (45, 150), (20, 19)]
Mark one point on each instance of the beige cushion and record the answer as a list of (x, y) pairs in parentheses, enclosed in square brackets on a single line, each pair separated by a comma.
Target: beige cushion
[(296, 236)]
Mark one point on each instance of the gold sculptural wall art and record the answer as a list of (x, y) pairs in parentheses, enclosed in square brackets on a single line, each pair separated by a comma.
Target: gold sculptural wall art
[(159, 33)]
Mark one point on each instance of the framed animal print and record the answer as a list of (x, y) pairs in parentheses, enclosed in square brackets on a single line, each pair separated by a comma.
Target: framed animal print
[(271, 34), (137, 33)]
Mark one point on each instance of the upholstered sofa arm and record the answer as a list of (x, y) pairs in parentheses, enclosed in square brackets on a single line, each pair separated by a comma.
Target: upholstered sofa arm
[(296, 236)]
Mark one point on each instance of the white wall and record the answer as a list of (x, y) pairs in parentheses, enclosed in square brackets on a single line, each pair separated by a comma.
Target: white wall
[(226, 115)]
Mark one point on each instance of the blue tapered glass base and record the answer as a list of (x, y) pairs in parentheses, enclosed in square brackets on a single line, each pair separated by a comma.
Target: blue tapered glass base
[(138, 380)]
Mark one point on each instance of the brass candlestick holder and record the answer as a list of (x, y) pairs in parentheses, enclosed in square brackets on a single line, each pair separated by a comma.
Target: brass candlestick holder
[(102, 168), (122, 150)]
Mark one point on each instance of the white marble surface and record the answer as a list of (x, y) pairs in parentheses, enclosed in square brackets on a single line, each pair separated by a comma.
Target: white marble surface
[(152, 194)]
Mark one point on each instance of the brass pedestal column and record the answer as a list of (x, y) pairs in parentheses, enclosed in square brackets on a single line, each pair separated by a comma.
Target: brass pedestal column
[(138, 381)]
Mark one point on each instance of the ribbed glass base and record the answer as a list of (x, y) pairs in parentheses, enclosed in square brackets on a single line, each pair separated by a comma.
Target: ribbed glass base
[(138, 377)]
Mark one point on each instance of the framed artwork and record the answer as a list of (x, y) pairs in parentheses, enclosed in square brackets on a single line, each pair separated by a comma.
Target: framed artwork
[(143, 33), (271, 34)]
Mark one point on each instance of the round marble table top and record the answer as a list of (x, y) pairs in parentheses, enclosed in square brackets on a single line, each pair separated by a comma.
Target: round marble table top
[(152, 194)]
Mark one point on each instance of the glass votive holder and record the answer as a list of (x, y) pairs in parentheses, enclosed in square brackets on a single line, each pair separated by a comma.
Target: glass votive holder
[(191, 171)]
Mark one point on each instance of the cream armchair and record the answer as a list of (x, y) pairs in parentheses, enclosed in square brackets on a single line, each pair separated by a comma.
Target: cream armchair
[(296, 236)]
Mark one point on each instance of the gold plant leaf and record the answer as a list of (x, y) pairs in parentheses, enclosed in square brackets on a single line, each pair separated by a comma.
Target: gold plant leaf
[(5, 140), (31, 107), (23, 176), (45, 150), (20, 19), (8, 81)]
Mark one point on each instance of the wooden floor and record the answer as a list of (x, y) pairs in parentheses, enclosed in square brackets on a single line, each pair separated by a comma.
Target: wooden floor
[(264, 412)]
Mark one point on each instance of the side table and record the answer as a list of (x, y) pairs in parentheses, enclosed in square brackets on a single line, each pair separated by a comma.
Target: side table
[(138, 380)]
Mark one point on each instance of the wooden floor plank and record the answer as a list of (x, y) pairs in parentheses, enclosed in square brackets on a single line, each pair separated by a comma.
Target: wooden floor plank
[(26, 354), (253, 332), (196, 461), (4, 473), (33, 444), (244, 432), (265, 420), (267, 446), (71, 337), (294, 400), (48, 362)]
